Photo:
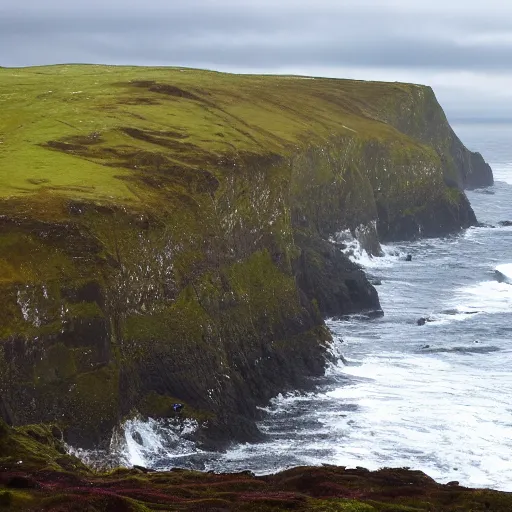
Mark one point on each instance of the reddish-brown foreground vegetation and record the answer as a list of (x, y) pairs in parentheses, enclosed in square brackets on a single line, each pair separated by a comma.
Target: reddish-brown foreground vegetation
[(37, 475)]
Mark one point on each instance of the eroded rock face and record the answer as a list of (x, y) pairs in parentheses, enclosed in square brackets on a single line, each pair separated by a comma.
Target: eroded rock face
[(420, 116), (338, 286), (474, 171), (437, 219)]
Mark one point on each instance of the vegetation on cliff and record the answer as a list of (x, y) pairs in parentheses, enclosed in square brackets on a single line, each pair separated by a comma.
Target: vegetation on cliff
[(36, 475), (163, 233)]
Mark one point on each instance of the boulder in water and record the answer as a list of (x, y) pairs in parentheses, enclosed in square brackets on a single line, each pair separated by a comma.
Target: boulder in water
[(408, 257), (143, 469), (138, 438), (504, 273), (505, 223)]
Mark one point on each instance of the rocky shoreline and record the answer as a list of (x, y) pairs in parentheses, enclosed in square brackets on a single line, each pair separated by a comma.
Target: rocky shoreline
[(36, 474)]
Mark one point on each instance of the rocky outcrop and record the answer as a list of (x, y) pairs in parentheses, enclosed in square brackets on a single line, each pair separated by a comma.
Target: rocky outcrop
[(472, 170), (418, 114), (439, 219), (338, 285), (191, 256)]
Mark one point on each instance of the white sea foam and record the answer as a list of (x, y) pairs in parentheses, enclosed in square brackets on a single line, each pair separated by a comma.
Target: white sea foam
[(142, 442), (424, 412), (358, 254), (416, 411), (484, 297), (455, 315), (390, 257), (503, 172), (139, 442)]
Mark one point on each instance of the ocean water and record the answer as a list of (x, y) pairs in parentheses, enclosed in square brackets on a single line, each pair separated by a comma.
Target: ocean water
[(436, 397)]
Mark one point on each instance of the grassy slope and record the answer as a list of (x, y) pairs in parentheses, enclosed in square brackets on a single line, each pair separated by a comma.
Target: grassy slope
[(217, 114)]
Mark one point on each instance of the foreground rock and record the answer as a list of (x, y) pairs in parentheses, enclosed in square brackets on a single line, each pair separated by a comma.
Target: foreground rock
[(36, 476)]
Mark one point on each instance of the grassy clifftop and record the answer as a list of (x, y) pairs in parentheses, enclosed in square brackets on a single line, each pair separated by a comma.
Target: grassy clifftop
[(93, 131), (152, 138), (163, 233)]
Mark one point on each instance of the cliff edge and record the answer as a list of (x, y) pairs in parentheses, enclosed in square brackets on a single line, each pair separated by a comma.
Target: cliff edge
[(164, 234)]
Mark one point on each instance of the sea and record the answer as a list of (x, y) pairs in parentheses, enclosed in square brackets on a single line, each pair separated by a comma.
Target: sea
[(435, 397)]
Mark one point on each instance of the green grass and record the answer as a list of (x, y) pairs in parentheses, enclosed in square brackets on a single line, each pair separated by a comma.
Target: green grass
[(189, 118)]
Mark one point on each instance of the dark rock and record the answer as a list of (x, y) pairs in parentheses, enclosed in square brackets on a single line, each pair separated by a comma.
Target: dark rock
[(138, 438), (502, 278), (421, 321), (339, 286), (476, 173), (373, 313), (22, 482), (505, 223), (4, 429), (441, 218), (57, 433), (5, 412), (368, 239), (408, 257), (142, 469)]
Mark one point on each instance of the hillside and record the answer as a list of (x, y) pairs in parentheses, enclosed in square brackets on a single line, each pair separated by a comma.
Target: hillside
[(163, 233)]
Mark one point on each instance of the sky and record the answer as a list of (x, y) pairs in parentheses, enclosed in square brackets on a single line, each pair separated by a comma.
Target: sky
[(462, 48)]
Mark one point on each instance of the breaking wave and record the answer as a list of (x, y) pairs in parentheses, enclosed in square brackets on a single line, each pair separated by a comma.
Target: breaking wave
[(356, 251), (150, 443)]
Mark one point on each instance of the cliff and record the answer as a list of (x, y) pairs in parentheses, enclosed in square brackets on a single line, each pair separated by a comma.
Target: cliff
[(163, 234), (35, 474)]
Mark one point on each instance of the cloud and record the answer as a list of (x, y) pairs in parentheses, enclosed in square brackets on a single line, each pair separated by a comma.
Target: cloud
[(461, 48)]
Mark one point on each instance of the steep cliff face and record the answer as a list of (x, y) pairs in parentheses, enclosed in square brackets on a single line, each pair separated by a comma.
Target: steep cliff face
[(416, 112), (164, 234)]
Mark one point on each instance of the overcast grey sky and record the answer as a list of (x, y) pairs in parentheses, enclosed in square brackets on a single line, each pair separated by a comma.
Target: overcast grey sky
[(462, 48)]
